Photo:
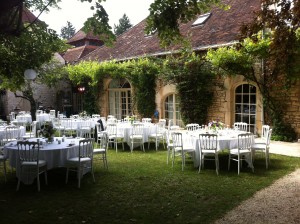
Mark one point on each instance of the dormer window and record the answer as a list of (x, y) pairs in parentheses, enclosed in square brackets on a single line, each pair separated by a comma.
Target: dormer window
[(151, 33), (201, 19)]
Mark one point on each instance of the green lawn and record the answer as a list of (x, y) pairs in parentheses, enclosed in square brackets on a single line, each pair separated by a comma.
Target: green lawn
[(138, 188)]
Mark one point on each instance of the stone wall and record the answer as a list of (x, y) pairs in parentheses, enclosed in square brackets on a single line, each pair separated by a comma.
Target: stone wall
[(292, 110)]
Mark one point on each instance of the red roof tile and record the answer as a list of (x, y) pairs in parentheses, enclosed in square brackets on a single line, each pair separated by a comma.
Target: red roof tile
[(81, 35), (28, 16), (221, 28), (74, 54)]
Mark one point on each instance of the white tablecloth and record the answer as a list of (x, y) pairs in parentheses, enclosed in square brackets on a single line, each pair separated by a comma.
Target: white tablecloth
[(77, 123), (43, 117), (226, 140), (55, 154), (26, 118), (125, 128)]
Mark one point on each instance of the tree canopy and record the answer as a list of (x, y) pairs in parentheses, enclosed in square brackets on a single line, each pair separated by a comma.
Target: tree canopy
[(67, 31), (124, 24)]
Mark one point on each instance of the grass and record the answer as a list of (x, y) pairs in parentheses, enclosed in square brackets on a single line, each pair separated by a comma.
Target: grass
[(139, 188)]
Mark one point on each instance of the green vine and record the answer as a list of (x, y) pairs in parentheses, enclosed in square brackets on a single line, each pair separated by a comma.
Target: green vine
[(140, 73), (194, 83)]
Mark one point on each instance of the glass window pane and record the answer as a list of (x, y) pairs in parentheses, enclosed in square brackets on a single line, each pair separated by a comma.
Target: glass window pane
[(239, 89), (253, 99), (246, 88), (252, 89), (238, 98), (246, 99)]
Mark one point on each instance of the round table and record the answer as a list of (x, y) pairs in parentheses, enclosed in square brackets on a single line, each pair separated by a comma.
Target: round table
[(54, 154)]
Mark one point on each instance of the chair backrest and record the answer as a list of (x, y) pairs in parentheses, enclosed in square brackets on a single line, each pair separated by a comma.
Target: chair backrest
[(98, 128), (111, 129), (146, 120), (12, 132), (85, 123), (242, 126), (104, 141), (112, 120), (245, 141), (52, 113), (160, 127), (110, 116), (208, 142), (86, 148), (28, 151), (192, 127), (269, 137), (264, 131), (163, 120), (137, 129), (177, 139), (68, 123)]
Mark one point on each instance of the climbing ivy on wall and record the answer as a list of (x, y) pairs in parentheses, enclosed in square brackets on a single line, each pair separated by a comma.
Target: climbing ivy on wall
[(140, 73), (190, 73), (194, 83)]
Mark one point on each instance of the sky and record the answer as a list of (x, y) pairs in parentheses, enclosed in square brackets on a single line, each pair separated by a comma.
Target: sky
[(77, 12)]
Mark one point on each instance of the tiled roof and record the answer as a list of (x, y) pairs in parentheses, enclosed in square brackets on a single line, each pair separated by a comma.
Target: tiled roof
[(74, 54), (80, 35), (28, 16), (221, 28)]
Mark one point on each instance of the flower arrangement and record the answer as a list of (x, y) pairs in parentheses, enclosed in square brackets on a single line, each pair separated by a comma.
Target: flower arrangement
[(47, 130), (83, 114), (216, 125)]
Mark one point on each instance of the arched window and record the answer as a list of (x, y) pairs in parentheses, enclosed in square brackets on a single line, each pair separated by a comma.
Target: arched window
[(119, 98), (245, 105), (172, 109)]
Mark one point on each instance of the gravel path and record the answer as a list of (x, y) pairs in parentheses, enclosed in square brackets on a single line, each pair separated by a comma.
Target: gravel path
[(279, 203)]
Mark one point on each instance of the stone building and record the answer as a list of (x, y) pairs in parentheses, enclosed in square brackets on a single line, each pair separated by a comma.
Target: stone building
[(238, 101)]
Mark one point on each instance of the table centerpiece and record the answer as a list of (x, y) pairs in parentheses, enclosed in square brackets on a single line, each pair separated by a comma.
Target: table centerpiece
[(48, 131)]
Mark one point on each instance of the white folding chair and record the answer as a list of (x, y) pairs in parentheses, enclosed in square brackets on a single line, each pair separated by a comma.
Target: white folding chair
[(115, 136), (12, 133), (192, 127), (180, 149), (82, 163), (242, 152), (146, 120), (264, 134), (85, 129), (263, 148), (241, 126), (102, 150), (137, 136), (158, 136), (208, 150), (29, 161)]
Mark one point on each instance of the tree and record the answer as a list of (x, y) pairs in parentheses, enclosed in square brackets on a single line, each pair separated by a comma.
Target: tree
[(124, 24), (31, 49), (67, 31)]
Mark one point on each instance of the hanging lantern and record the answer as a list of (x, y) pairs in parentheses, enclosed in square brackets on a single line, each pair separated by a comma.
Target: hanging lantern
[(81, 89)]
